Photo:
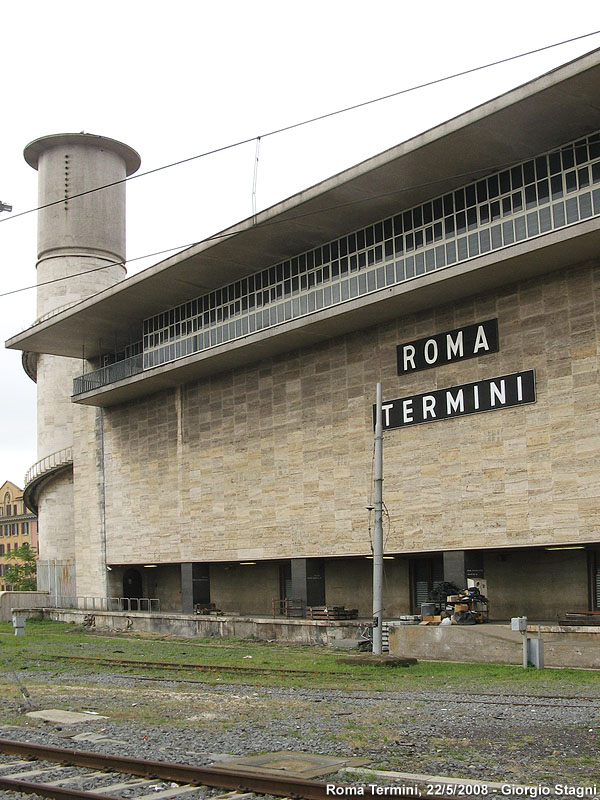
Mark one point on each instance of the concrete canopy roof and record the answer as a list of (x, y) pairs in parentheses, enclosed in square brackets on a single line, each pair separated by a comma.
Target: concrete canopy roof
[(555, 108)]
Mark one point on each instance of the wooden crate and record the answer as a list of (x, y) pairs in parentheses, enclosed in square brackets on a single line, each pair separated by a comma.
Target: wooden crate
[(331, 612)]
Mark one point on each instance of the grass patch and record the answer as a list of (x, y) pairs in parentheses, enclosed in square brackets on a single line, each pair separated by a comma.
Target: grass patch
[(46, 643)]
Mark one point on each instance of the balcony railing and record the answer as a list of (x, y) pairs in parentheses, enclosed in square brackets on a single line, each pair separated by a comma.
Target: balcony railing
[(88, 603), (109, 374), (49, 464)]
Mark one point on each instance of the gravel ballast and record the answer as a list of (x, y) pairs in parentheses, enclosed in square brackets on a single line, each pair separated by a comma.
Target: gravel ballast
[(488, 737)]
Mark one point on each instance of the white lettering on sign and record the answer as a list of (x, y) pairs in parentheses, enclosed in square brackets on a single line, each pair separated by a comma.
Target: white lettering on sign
[(454, 404), (431, 351), (409, 356), (386, 411), (469, 341), (480, 340), (428, 406), (454, 348), (497, 393), (488, 394)]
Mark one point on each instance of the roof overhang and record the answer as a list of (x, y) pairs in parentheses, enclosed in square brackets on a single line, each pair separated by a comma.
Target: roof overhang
[(557, 107)]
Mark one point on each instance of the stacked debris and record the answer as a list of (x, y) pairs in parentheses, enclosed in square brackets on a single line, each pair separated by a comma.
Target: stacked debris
[(467, 607), (203, 608), (580, 618), (331, 612), (454, 607)]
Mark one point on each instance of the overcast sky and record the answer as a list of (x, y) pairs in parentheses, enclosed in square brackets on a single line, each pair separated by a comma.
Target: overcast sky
[(180, 78)]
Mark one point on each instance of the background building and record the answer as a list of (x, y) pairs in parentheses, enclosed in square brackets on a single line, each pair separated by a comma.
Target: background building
[(221, 424), (18, 526)]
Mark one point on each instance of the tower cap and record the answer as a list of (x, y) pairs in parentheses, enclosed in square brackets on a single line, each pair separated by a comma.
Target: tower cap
[(34, 149)]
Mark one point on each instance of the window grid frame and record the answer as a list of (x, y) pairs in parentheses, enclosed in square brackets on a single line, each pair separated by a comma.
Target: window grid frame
[(548, 192)]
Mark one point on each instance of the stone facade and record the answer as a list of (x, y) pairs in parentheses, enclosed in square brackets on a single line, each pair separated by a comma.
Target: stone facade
[(275, 458)]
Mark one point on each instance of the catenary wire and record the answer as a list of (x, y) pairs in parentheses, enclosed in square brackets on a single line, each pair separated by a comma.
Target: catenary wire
[(318, 118)]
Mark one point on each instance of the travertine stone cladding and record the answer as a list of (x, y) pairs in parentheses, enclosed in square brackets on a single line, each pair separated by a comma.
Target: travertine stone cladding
[(55, 520), (88, 501), (275, 459)]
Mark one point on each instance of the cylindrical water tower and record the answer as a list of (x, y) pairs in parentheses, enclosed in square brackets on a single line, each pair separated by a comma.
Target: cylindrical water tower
[(81, 247)]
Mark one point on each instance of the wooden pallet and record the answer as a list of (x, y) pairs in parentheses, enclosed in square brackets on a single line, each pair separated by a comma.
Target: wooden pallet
[(335, 613), (581, 618)]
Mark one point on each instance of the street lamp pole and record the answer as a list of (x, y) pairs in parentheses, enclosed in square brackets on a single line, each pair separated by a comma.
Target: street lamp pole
[(378, 532)]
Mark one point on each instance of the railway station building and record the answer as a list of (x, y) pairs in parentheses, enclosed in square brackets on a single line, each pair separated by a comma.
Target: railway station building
[(205, 427)]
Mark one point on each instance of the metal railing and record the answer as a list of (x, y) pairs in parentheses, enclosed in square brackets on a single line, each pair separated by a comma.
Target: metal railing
[(54, 311), (109, 374), (49, 463), (88, 603)]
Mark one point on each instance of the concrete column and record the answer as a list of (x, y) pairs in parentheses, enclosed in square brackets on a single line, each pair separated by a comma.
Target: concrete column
[(187, 589), (299, 588), (455, 568)]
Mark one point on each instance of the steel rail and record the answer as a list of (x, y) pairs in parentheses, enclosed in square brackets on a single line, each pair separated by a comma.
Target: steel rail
[(220, 777), (54, 792), (201, 667)]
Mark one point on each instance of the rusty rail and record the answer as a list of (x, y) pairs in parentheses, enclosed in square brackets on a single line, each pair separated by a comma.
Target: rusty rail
[(201, 667), (219, 777), (53, 792)]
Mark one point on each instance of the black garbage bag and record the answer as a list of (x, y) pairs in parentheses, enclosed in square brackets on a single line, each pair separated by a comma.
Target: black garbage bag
[(440, 592), (464, 618)]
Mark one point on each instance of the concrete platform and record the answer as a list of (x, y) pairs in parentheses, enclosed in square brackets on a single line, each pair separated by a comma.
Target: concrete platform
[(577, 647), (573, 646), (279, 629), (65, 717)]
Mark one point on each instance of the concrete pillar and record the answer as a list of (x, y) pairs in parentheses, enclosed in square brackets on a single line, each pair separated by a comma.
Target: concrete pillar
[(187, 589), (299, 589), (455, 568), (308, 581)]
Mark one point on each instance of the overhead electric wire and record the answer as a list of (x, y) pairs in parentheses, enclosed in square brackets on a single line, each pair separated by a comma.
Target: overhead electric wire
[(318, 118)]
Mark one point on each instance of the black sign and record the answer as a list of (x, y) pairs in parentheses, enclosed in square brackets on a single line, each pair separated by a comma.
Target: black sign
[(457, 345), (458, 401)]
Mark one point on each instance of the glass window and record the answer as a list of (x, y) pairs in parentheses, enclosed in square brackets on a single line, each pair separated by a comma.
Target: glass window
[(516, 177), (484, 241), (585, 205), (558, 213), (464, 217)]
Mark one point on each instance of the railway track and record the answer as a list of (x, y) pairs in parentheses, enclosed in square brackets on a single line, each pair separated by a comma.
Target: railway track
[(167, 665), (140, 775), (476, 698), (484, 698)]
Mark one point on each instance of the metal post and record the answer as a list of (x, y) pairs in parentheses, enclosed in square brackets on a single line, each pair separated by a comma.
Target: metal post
[(378, 532)]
